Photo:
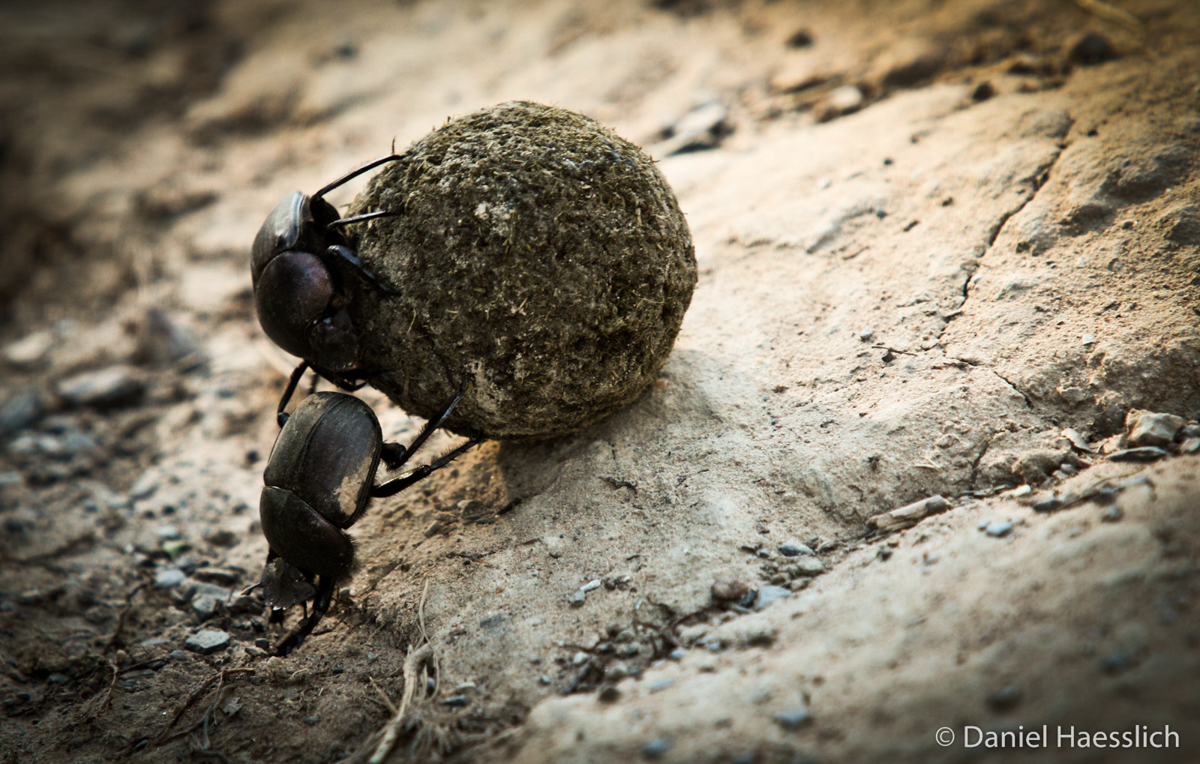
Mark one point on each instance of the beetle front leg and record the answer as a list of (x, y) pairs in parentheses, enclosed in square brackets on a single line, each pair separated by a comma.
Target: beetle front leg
[(324, 598)]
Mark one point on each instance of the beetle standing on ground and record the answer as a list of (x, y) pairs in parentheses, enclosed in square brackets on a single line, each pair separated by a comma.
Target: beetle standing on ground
[(298, 265), (318, 482)]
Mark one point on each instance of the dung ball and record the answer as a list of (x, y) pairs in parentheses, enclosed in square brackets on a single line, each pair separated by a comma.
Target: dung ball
[(540, 262)]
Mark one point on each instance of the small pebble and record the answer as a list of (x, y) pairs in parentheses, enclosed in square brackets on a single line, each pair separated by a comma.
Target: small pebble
[(998, 528), (793, 548), (1005, 698), (809, 566), (206, 599), (167, 532), (616, 672), (1111, 515), (207, 641), (1093, 48), (608, 694), (312, 720), (866, 334), (590, 586), (656, 748), (729, 588), (58, 679), (168, 578), (179, 655), (795, 719), (20, 411), (455, 701), (1087, 339), (677, 654), (769, 595), (1189, 446), (1143, 454), (577, 599), (660, 684), (1047, 505), (105, 388)]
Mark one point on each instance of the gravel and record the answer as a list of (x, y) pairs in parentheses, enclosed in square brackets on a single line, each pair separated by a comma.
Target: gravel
[(207, 641)]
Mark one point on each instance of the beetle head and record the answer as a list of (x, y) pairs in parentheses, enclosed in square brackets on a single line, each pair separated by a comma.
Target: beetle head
[(294, 291)]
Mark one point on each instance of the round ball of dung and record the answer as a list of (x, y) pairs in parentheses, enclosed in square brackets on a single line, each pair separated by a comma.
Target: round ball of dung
[(540, 262)]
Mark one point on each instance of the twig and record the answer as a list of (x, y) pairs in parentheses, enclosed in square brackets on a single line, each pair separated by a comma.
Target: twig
[(412, 664), (1112, 13), (195, 696)]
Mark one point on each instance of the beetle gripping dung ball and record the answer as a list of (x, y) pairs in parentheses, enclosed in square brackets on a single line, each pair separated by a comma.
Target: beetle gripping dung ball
[(318, 482), (301, 267), (536, 256)]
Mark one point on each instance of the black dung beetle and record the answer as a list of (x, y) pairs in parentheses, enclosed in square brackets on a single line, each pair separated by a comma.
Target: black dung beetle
[(318, 482), (296, 265)]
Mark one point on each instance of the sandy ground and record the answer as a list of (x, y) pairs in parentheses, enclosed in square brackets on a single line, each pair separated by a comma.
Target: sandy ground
[(947, 261)]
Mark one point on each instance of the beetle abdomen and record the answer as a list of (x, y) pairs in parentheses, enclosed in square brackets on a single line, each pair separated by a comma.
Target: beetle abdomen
[(299, 534)]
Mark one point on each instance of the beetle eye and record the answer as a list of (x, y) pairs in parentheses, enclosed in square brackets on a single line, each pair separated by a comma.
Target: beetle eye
[(334, 342)]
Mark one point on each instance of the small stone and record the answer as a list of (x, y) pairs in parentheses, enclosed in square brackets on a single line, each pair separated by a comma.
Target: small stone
[(808, 567), (659, 685), (656, 748), (1047, 505), (20, 411), (1143, 454), (207, 641), (1189, 446), (1077, 440), (167, 532), (312, 720), (865, 335), (577, 599), (1111, 515), (795, 719), (30, 349), (616, 672), (793, 548), (1005, 698), (701, 128), (1087, 339), (909, 514), (843, 100), (1147, 428), (455, 701), (579, 658), (764, 554), (168, 578), (1092, 48), (608, 694), (998, 528), (729, 588), (106, 388), (220, 576), (590, 586), (179, 655), (983, 91), (677, 654), (207, 599), (769, 595)]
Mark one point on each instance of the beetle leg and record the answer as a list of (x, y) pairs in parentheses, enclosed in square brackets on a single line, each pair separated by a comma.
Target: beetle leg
[(321, 604), (393, 487), (294, 380), (359, 171), (351, 259), (395, 455)]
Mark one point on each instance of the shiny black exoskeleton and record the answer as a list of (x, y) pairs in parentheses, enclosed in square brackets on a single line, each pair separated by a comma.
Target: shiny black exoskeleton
[(297, 264), (318, 482)]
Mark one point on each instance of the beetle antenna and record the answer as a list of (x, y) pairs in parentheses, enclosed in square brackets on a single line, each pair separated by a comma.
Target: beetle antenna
[(355, 173)]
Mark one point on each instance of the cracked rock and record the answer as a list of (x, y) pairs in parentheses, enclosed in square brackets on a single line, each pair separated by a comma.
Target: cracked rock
[(1147, 428)]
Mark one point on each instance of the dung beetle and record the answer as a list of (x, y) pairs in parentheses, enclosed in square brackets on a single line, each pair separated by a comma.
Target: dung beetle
[(298, 265), (318, 482)]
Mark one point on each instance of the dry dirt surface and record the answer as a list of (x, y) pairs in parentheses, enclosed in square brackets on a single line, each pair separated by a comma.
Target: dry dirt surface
[(923, 463)]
